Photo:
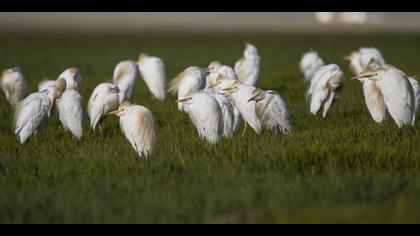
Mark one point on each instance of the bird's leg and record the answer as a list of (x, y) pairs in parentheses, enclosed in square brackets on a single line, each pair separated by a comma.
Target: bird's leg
[(243, 133)]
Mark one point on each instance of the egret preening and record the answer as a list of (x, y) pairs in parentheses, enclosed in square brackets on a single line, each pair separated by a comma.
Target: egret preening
[(206, 114), (125, 77), (46, 83), (13, 84), (272, 110), (326, 85), (70, 109), (192, 79), (394, 94), (32, 112), (73, 79), (310, 63), (104, 99), (137, 125), (152, 70), (215, 68), (360, 59), (248, 67)]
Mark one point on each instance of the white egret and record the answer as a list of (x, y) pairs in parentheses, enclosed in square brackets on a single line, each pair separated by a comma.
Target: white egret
[(248, 67), (73, 79), (396, 92), (45, 83), (152, 70), (206, 114), (227, 112), (325, 88), (13, 84), (70, 109), (309, 63), (104, 99), (125, 77), (137, 125), (361, 58), (192, 79), (272, 110), (31, 112)]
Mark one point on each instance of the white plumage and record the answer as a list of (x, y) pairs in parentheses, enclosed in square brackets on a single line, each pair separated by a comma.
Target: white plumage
[(71, 112), (152, 70), (104, 99), (44, 84), (272, 110), (360, 59), (13, 84), (325, 88), (247, 68), (125, 77), (227, 113), (137, 125), (73, 79), (416, 89), (32, 112), (310, 63), (206, 114)]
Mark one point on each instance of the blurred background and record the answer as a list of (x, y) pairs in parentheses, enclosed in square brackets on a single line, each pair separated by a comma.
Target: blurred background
[(208, 22)]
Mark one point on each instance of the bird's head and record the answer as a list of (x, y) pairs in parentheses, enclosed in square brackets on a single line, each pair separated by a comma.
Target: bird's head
[(53, 94), (228, 87), (113, 89), (11, 72), (60, 84), (122, 109), (142, 57), (250, 50), (73, 72), (257, 95), (214, 65), (371, 74)]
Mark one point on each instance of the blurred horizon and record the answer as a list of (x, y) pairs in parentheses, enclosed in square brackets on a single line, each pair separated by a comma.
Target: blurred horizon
[(210, 22)]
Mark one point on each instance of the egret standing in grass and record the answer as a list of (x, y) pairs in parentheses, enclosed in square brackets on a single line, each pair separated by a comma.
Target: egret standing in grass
[(152, 70), (73, 79), (325, 88), (137, 125), (248, 67), (70, 109), (310, 63), (206, 114), (33, 111), (125, 77), (46, 83), (104, 99), (394, 94), (13, 84), (192, 79), (272, 110)]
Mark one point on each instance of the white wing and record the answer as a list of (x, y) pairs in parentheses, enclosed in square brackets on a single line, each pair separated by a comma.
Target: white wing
[(70, 108), (416, 90), (101, 102), (227, 112), (153, 73), (125, 77), (374, 101), (247, 109), (248, 71), (318, 92), (275, 114)]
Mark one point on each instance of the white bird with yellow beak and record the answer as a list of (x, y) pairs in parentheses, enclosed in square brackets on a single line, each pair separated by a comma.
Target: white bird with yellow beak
[(137, 125), (125, 77), (360, 59), (206, 114), (73, 79), (13, 84), (248, 67), (310, 63), (104, 99), (325, 88), (272, 110), (395, 94), (215, 68), (70, 109), (152, 69), (33, 111), (192, 79), (46, 83)]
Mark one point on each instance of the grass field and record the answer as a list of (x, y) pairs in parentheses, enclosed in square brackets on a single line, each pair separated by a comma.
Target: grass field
[(342, 169)]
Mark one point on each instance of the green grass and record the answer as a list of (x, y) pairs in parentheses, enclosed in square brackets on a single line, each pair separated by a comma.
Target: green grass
[(342, 169)]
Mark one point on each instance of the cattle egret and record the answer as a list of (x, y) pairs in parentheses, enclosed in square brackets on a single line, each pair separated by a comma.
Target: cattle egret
[(272, 110), (137, 125), (32, 112), (248, 67), (104, 99), (361, 58), (73, 79), (152, 70), (125, 77), (309, 63), (13, 84), (46, 83), (192, 79), (325, 88), (395, 93), (215, 68), (70, 110), (227, 112), (206, 114)]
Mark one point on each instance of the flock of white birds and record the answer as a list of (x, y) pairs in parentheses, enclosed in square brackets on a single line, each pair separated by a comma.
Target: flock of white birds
[(218, 99)]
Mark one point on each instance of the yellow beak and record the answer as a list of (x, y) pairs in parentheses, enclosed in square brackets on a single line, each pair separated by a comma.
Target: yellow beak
[(183, 100)]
